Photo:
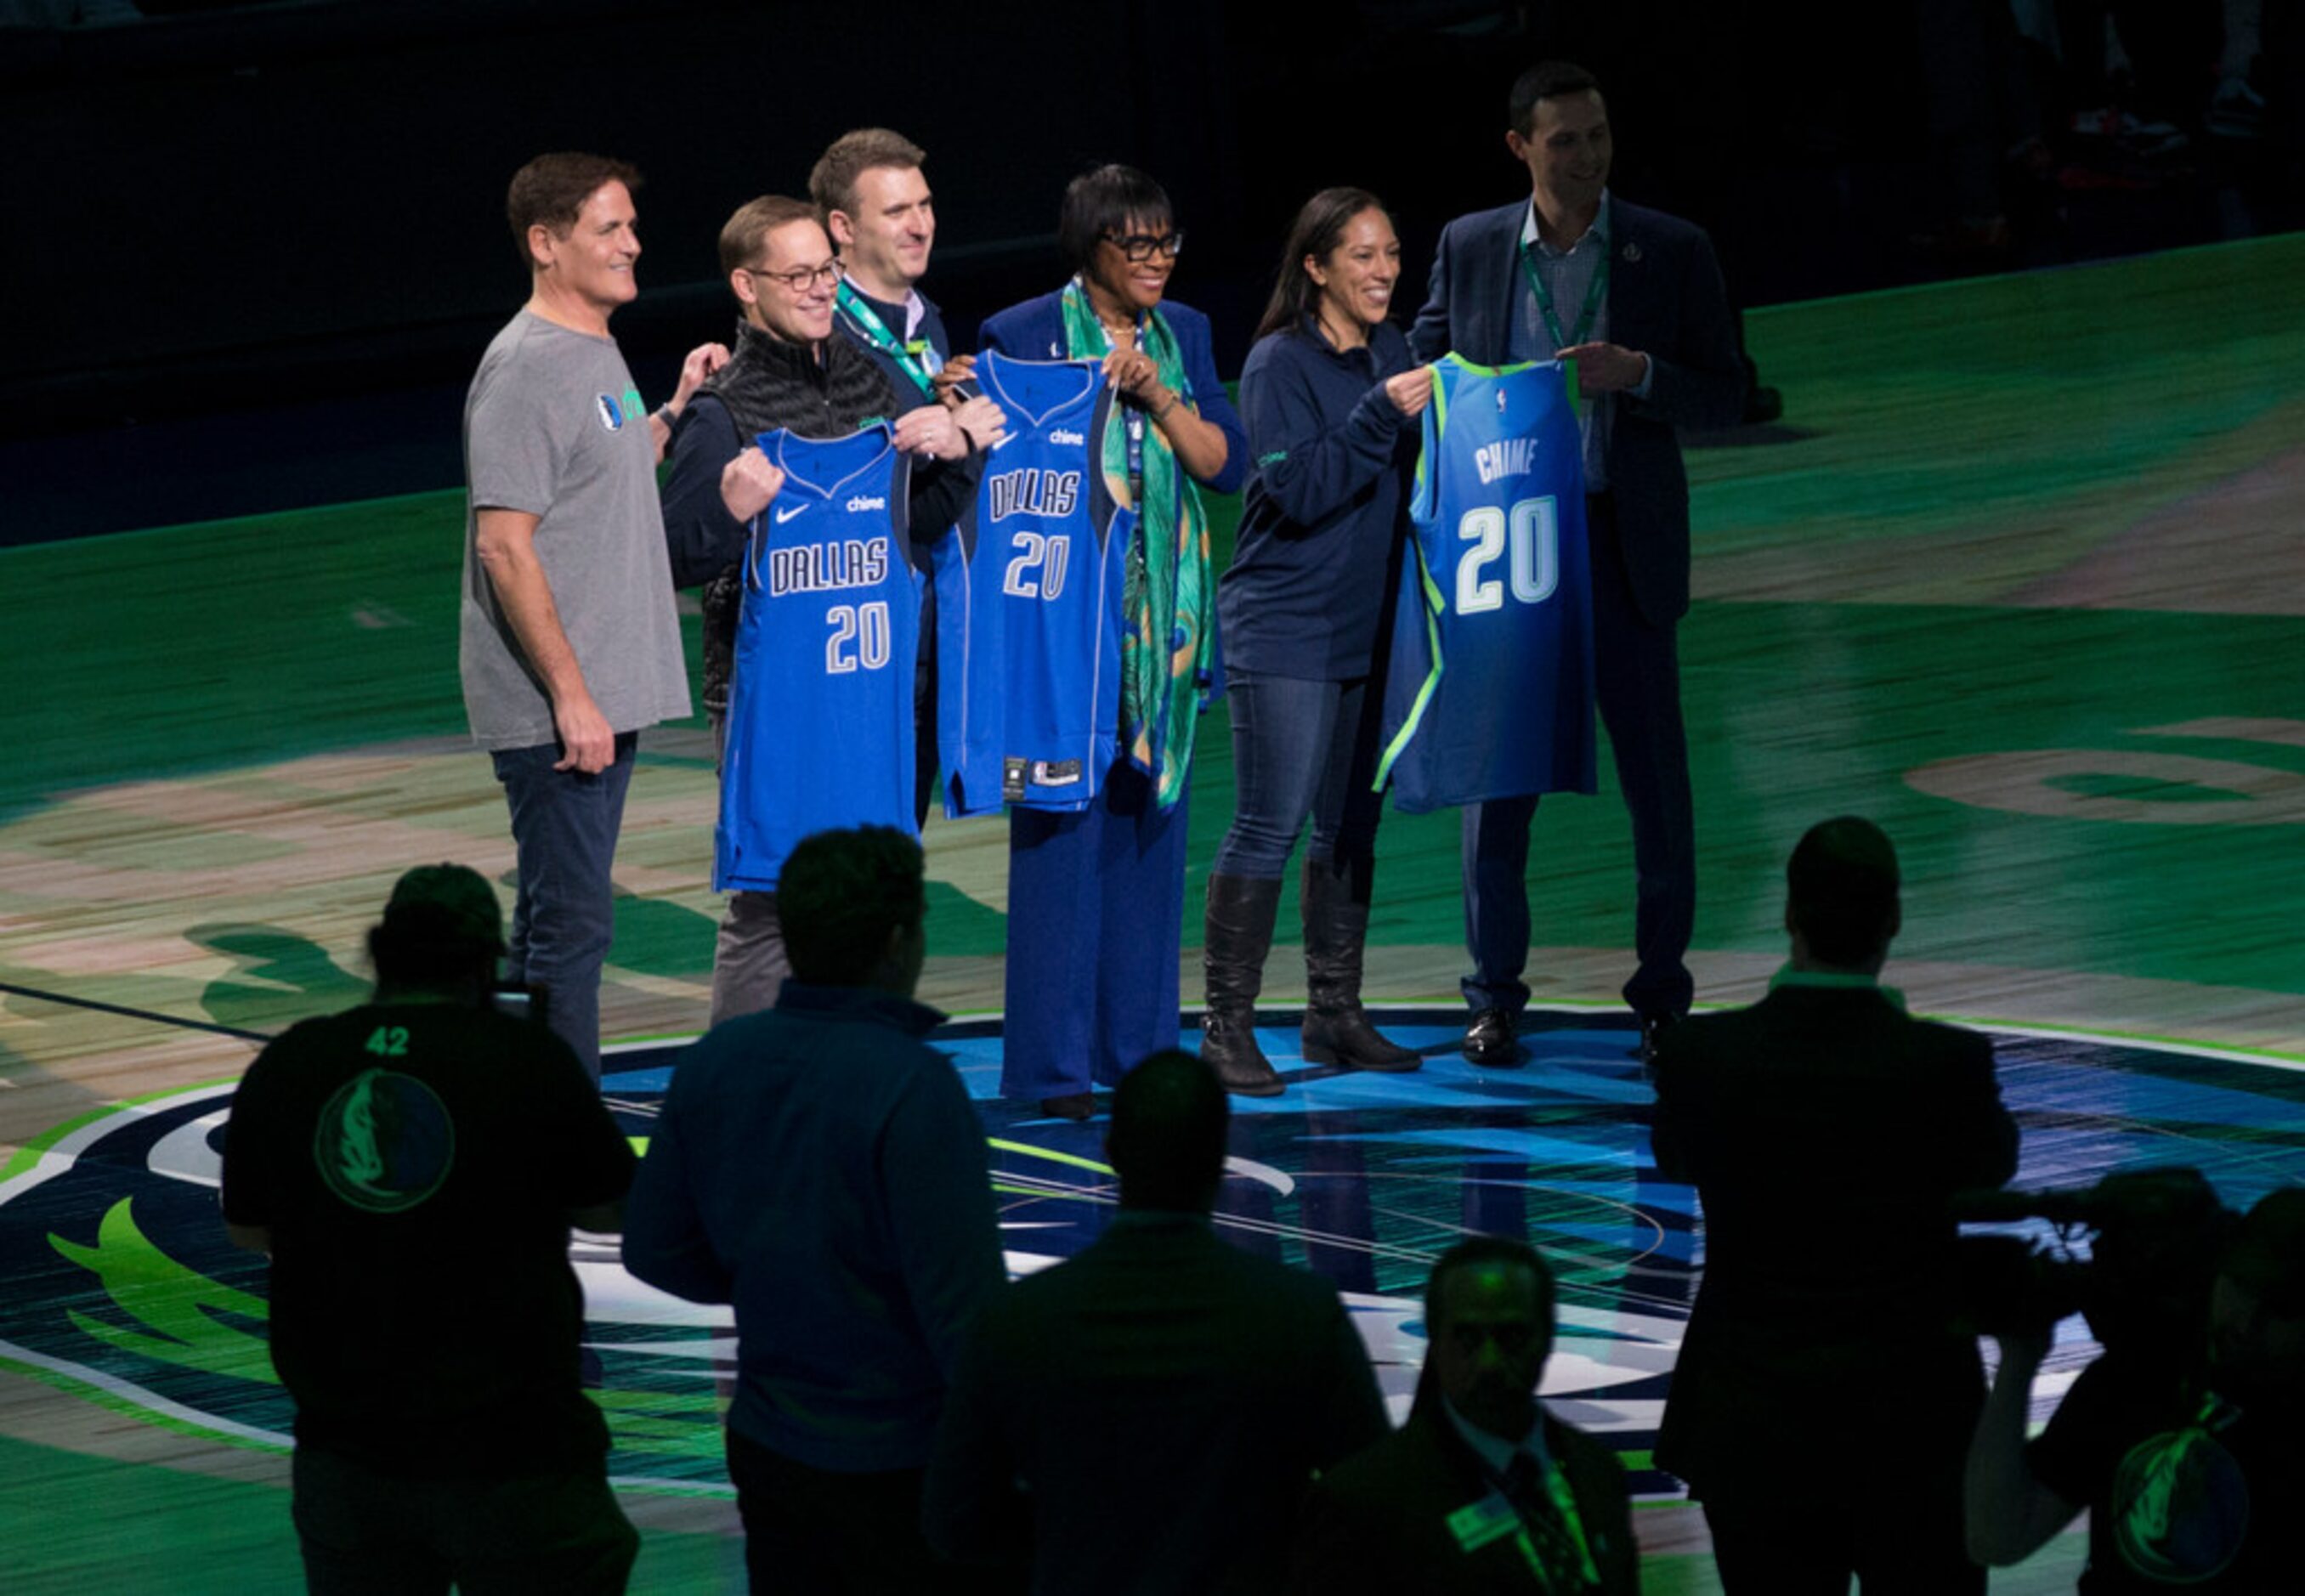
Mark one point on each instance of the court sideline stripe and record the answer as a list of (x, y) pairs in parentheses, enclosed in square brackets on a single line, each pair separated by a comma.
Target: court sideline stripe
[(136, 1014)]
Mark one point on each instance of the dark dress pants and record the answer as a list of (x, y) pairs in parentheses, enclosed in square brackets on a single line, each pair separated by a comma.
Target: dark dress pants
[(1096, 903), (365, 1532), (1637, 667)]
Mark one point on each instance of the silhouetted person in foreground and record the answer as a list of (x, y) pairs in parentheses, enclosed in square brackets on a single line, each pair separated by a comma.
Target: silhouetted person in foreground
[(2189, 1460), (1146, 1416), (1823, 1398), (1481, 1490), (820, 1166), (412, 1166)]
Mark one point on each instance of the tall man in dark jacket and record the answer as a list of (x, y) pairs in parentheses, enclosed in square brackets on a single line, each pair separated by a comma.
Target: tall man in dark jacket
[(1822, 1401), (789, 369), (1147, 1415), (1482, 1492), (1634, 298), (820, 1167)]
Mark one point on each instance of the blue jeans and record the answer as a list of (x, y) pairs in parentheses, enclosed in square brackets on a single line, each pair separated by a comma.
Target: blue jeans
[(564, 832), (1300, 748)]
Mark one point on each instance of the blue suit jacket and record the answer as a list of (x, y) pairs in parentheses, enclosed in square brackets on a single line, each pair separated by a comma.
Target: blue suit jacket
[(1035, 331), (1666, 300)]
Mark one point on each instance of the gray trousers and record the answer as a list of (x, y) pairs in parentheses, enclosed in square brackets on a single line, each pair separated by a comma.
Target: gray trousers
[(748, 955)]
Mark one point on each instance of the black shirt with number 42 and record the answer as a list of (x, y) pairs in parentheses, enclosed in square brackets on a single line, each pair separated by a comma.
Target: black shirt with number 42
[(416, 1164)]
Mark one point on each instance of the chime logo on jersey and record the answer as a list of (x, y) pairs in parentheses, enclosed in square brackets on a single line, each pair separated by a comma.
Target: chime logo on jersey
[(1507, 457)]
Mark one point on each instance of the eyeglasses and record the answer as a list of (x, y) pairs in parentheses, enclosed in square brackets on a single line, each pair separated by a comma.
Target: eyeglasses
[(801, 279), (1139, 246)]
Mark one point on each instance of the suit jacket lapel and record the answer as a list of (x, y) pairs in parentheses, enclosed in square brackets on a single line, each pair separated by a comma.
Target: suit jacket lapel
[(1506, 252), (1632, 278)]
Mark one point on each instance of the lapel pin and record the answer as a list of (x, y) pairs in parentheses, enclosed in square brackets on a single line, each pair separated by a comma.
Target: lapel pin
[(1632, 253)]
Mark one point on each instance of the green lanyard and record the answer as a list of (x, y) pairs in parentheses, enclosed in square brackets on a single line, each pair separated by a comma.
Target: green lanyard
[(1595, 292), (910, 357)]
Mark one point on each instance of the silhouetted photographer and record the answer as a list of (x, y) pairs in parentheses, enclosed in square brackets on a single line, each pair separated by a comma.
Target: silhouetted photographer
[(2184, 1438), (411, 1166)]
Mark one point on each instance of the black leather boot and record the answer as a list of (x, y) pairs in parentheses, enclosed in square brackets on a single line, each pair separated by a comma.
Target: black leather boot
[(1336, 902), (1239, 934)]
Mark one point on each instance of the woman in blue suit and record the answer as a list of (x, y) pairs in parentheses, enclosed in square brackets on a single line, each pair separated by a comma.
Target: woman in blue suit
[(1096, 897)]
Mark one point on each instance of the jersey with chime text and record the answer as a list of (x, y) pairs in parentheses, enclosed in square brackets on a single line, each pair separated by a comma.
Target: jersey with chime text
[(1489, 688)]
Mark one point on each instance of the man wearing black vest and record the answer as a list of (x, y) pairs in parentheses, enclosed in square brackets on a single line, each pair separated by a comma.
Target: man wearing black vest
[(789, 369)]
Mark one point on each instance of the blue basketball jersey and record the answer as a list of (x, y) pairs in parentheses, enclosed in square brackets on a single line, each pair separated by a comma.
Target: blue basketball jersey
[(1029, 601), (1489, 688), (820, 730)]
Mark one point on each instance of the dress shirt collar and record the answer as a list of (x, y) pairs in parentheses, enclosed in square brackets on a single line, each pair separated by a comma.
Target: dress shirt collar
[(1597, 233)]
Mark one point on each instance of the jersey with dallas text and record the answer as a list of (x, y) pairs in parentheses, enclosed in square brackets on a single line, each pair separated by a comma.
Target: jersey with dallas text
[(820, 730), (1029, 601), (1489, 688)]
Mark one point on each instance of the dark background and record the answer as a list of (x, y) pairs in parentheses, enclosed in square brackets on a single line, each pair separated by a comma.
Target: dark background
[(255, 250)]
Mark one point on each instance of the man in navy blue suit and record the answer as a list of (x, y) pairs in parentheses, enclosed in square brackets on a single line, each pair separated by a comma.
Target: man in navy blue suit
[(1634, 298)]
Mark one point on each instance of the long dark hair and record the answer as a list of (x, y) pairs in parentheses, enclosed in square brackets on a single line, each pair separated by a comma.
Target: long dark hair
[(1316, 232)]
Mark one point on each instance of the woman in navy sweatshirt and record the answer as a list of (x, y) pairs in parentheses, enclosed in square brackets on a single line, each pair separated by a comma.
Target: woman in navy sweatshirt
[(1328, 389)]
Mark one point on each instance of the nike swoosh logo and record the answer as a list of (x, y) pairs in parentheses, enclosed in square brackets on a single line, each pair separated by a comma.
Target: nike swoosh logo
[(784, 515)]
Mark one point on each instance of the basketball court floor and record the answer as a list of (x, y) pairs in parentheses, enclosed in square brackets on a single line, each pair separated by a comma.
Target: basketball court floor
[(2020, 577)]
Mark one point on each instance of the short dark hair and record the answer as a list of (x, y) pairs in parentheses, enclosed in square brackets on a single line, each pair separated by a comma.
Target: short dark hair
[(552, 189), (1105, 199), (832, 180), (1547, 79), (1840, 889), (1319, 227), (754, 220), (1477, 1250), (1167, 1142), (841, 895)]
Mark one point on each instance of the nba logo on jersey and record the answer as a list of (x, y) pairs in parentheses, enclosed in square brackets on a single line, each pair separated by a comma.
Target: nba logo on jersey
[(1488, 692)]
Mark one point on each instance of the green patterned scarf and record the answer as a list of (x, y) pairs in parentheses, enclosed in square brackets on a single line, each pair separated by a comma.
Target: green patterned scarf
[(1166, 651)]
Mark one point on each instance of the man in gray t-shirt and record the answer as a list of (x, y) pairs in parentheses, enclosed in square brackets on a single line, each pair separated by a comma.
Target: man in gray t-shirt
[(568, 641)]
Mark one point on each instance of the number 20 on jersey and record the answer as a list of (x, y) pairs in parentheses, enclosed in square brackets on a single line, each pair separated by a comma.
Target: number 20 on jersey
[(1527, 537)]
